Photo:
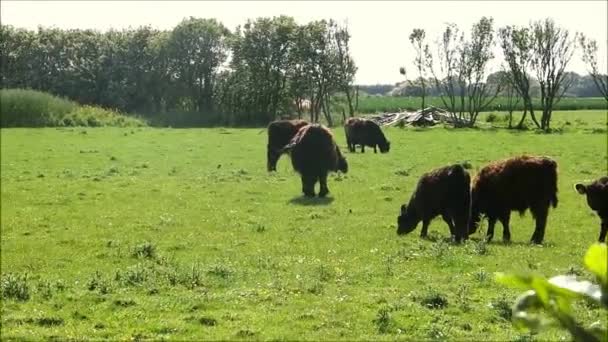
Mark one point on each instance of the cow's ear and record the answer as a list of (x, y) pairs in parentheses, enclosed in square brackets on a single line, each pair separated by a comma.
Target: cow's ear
[(580, 188), (403, 208)]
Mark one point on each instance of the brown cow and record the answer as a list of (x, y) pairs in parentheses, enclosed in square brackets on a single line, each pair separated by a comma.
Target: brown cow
[(365, 133), (313, 154), (444, 191), (279, 134), (597, 199), (518, 183)]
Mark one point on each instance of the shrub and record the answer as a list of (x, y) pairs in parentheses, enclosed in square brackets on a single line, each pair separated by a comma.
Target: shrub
[(491, 117), (555, 297), (30, 108)]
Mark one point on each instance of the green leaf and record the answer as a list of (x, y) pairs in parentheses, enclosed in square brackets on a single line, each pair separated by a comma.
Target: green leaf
[(514, 280), (536, 283), (598, 331), (596, 261)]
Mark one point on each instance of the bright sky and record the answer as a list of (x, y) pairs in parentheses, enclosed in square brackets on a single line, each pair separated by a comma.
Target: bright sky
[(379, 30)]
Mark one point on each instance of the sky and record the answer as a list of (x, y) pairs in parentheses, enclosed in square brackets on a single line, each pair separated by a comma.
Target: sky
[(379, 29)]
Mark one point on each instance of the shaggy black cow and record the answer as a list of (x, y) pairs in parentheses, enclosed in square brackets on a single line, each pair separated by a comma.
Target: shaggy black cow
[(365, 133), (279, 134), (518, 183), (444, 191), (597, 199), (314, 154)]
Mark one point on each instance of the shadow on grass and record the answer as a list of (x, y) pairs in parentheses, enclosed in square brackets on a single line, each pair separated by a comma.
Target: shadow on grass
[(303, 200), (500, 243)]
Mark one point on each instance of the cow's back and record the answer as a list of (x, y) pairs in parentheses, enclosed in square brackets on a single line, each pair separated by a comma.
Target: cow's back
[(313, 149), (280, 132), (518, 183), (446, 187)]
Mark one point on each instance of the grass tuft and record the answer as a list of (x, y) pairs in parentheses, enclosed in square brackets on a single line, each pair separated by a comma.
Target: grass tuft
[(15, 287)]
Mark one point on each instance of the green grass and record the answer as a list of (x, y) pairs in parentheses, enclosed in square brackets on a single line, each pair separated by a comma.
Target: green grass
[(30, 108), (181, 234), (373, 104)]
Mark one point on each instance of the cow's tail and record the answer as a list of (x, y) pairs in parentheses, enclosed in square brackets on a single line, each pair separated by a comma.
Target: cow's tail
[(554, 200), (553, 180), (287, 148)]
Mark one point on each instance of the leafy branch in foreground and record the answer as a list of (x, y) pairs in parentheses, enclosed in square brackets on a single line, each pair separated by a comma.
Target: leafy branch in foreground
[(555, 296)]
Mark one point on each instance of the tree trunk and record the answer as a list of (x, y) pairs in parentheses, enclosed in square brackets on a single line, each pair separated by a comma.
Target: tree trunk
[(520, 125), (357, 101), (349, 99)]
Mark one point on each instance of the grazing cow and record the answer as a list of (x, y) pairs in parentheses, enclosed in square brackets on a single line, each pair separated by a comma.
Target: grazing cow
[(365, 133), (444, 191), (597, 199), (313, 154), (279, 134), (518, 183)]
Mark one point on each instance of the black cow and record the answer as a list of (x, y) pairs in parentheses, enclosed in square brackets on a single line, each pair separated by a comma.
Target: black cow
[(444, 191), (597, 199), (365, 133), (314, 154)]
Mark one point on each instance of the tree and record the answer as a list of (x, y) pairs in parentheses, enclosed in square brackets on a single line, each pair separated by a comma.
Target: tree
[(516, 47), (462, 71), (421, 59), (478, 53), (341, 37), (552, 49), (589, 47), (261, 56), (449, 74), (197, 48), (509, 91)]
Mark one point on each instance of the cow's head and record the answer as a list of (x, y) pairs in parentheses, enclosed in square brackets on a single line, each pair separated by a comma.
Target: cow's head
[(475, 218), (384, 146), (595, 192), (342, 164), (407, 220)]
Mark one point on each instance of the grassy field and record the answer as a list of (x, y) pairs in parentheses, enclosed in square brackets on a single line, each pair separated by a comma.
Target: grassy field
[(373, 104), (143, 233)]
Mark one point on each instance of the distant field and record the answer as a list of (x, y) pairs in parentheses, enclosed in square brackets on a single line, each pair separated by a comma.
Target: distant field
[(144, 233), (372, 104)]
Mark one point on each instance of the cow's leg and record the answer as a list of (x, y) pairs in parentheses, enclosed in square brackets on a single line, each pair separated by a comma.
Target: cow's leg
[(271, 160), (308, 186), (362, 148), (540, 213), (603, 230), (448, 219), (324, 190), (506, 232), (375, 149), (491, 224), (425, 228)]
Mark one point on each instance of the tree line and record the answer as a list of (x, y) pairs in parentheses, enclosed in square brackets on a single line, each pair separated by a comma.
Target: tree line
[(201, 73), (198, 73), (535, 61), (581, 86)]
